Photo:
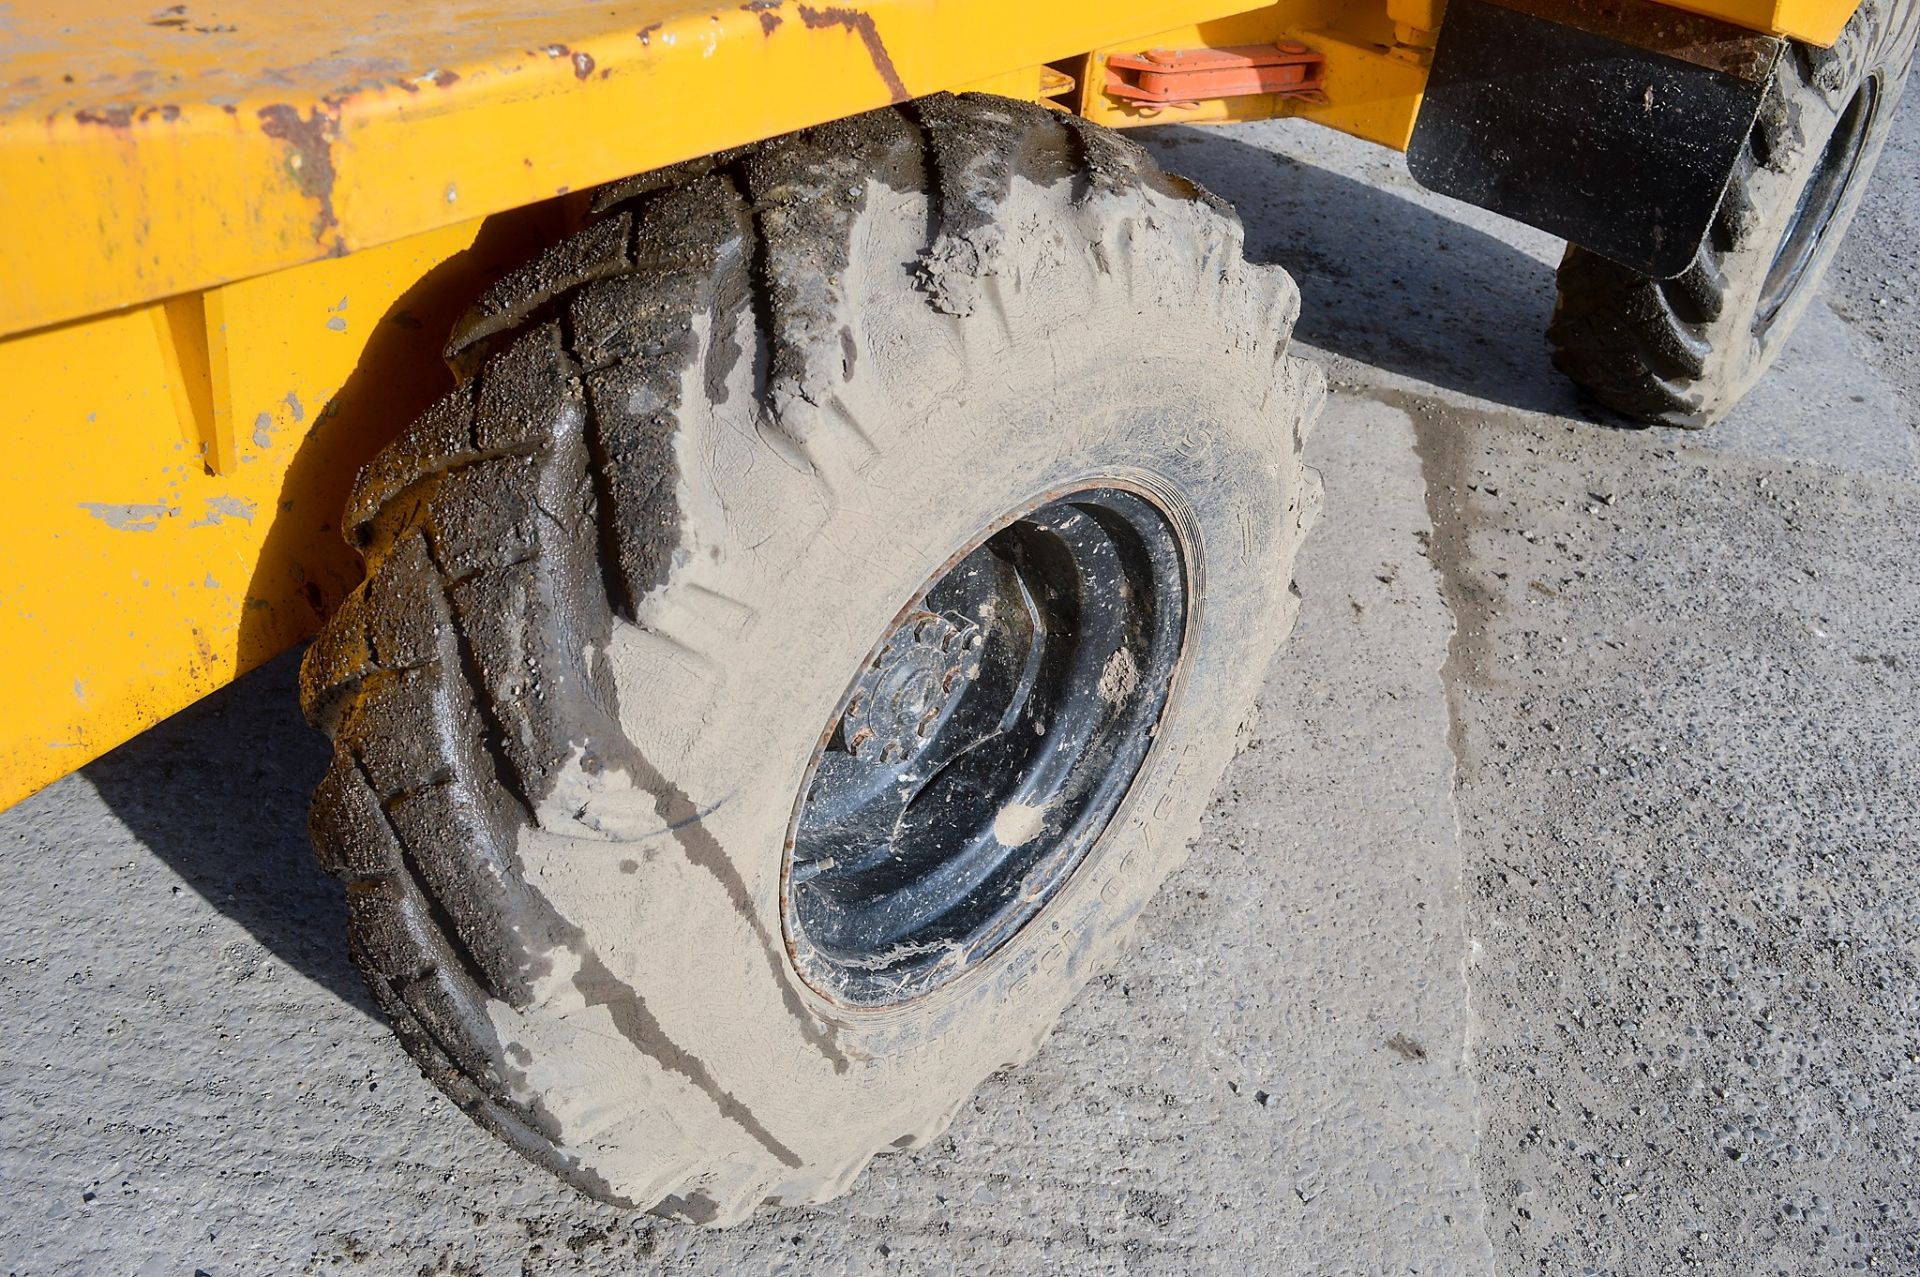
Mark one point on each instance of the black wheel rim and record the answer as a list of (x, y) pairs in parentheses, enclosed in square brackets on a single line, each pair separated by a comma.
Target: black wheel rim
[(983, 747), (1820, 199)]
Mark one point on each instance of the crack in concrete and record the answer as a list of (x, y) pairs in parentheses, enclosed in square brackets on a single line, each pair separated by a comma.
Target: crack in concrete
[(1440, 442)]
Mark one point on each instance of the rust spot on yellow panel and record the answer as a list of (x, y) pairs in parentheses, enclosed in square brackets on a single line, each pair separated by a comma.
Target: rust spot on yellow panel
[(766, 11), (862, 25), (310, 161)]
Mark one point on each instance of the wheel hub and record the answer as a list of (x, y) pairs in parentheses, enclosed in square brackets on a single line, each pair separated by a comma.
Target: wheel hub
[(906, 692), (984, 745)]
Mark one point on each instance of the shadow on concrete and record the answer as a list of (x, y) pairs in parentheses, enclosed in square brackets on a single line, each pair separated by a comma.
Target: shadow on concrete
[(1384, 280), (219, 792)]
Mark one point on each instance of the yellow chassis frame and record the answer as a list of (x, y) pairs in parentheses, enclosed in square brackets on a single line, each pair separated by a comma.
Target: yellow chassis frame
[(237, 233)]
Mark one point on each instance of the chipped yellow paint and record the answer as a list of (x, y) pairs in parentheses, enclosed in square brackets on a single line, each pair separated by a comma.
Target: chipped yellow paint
[(145, 153), (138, 575)]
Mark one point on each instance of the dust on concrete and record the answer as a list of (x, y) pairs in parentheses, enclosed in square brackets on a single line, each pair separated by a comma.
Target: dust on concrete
[(1681, 680), (1690, 788)]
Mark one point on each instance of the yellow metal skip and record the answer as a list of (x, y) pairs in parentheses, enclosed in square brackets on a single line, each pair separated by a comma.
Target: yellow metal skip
[(146, 152), (238, 234)]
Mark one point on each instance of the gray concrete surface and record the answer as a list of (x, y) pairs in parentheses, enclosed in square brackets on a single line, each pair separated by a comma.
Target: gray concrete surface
[(1560, 920)]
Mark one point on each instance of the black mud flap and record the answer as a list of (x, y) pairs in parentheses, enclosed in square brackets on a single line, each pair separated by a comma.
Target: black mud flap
[(1610, 123)]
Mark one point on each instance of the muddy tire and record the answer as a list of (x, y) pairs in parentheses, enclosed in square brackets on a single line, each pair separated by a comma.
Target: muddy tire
[(710, 458), (1682, 351)]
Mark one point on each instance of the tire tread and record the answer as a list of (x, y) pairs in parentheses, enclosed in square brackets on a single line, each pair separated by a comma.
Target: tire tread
[(507, 528)]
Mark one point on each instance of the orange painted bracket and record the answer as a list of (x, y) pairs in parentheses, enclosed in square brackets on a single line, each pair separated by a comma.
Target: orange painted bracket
[(1169, 76)]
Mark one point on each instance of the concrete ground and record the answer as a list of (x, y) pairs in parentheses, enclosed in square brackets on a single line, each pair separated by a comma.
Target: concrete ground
[(1560, 919)]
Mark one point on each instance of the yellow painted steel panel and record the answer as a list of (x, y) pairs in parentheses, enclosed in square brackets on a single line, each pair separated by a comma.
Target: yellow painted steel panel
[(138, 578), (146, 153)]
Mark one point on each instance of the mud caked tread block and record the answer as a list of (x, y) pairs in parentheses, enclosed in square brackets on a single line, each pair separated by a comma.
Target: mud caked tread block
[(635, 335), (973, 155), (392, 762), (510, 529), (438, 440), (405, 613), (457, 857), (629, 190), (350, 829), (1682, 351), (337, 662), (528, 398), (524, 684), (603, 248), (1109, 161), (806, 190)]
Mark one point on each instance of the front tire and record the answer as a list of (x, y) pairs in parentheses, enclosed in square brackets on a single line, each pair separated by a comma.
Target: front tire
[(694, 507), (1683, 351)]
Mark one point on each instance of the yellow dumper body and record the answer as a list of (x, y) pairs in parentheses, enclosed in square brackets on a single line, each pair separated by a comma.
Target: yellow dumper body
[(236, 235)]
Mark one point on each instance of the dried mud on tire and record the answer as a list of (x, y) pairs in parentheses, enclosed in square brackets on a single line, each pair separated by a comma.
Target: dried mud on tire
[(705, 449)]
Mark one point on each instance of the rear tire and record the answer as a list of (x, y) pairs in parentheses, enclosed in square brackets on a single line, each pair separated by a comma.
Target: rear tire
[(1682, 351), (619, 583)]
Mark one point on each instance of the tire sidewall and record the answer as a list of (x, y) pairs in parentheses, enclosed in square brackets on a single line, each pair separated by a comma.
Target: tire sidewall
[(797, 552)]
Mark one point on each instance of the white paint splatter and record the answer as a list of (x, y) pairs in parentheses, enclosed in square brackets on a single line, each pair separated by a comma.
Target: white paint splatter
[(1019, 823), (1118, 677)]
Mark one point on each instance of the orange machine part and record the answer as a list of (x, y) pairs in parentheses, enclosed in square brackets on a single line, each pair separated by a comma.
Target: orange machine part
[(1167, 76)]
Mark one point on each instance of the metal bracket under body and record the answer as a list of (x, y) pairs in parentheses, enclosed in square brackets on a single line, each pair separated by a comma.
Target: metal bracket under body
[(1169, 77)]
